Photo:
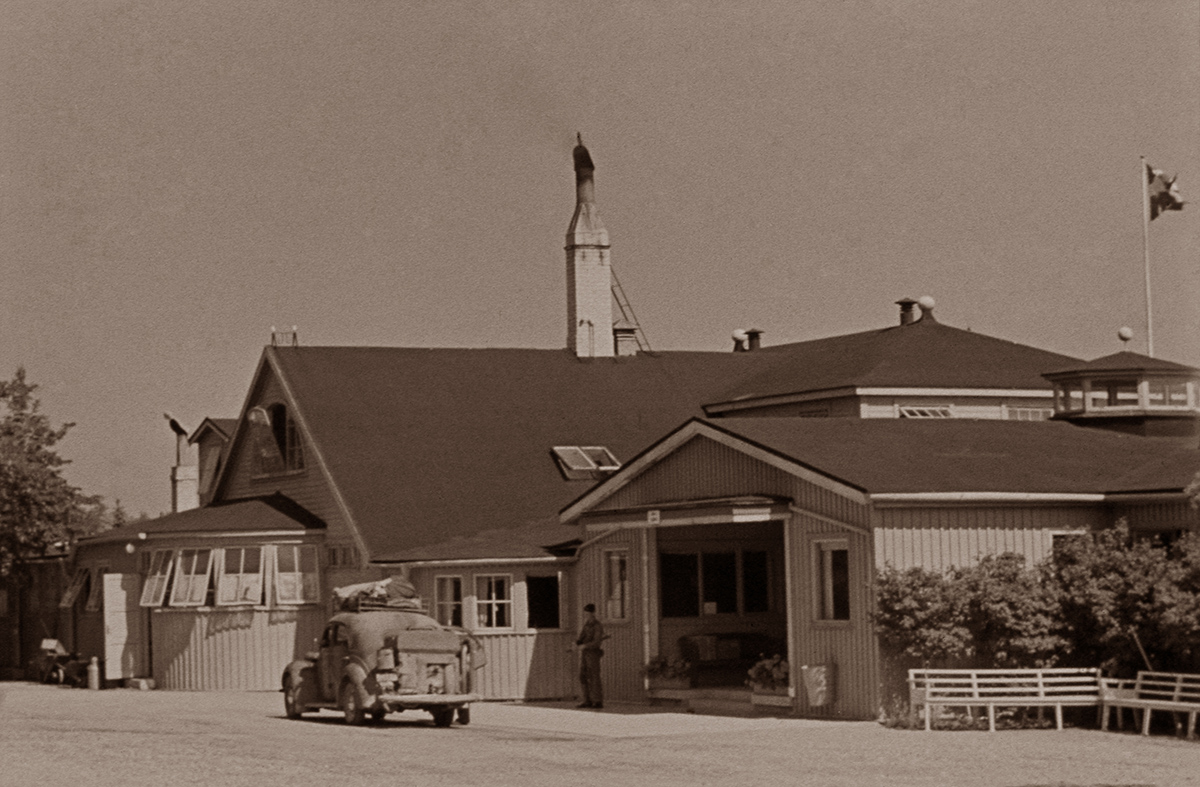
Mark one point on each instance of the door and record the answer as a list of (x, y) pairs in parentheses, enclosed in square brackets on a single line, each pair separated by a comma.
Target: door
[(334, 651), (124, 628)]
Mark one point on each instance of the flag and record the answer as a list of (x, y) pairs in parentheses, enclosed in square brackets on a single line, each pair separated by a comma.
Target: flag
[(1163, 193)]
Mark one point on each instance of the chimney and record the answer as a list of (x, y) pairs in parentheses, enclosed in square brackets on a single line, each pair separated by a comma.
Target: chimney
[(754, 338), (625, 338), (589, 269), (906, 310), (185, 478)]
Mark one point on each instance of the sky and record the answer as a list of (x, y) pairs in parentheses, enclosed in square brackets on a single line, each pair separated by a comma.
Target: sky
[(178, 177)]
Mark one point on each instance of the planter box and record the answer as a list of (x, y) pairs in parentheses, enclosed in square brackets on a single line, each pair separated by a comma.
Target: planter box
[(660, 683), (774, 698)]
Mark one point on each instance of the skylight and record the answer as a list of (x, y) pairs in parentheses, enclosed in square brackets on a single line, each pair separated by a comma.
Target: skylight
[(585, 462)]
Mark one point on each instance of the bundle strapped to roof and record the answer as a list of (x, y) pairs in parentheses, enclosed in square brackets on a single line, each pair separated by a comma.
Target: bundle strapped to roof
[(391, 593)]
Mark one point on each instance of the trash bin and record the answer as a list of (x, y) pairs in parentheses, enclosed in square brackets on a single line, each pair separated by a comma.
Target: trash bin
[(819, 683)]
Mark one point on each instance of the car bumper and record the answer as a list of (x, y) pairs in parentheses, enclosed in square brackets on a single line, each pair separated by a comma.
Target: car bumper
[(425, 700)]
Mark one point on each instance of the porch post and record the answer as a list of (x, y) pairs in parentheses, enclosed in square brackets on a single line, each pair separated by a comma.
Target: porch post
[(789, 581)]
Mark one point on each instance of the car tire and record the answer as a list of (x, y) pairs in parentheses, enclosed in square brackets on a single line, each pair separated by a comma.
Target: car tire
[(464, 715), (378, 714), (291, 697), (352, 705), (442, 717)]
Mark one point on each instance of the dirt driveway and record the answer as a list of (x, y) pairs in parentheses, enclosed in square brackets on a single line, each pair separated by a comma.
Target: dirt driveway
[(69, 737)]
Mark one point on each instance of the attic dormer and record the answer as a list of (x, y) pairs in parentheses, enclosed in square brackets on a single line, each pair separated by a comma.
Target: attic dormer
[(1131, 393)]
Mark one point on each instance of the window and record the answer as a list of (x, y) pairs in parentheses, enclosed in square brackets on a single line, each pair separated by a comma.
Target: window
[(756, 593), (240, 579), (586, 462), (73, 590), (96, 591), (714, 583), (542, 598), (616, 584), (447, 601), (296, 574), (192, 569), (926, 411), (342, 556), (833, 576), (4, 611), (679, 578), (155, 588), (1029, 413), (276, 440), (493, 601)]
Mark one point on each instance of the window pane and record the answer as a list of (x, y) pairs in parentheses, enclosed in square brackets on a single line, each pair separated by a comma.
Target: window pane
[(679, 577), (755, 589), (287, 559), (542, 593), (841, 584), (720, 581), (251, 560), (616, 589)]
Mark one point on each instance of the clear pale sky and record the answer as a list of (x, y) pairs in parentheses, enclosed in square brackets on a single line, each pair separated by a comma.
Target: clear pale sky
[(178, 177)]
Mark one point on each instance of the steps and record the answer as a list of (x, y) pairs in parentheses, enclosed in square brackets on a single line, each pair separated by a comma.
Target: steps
[(718, 702)]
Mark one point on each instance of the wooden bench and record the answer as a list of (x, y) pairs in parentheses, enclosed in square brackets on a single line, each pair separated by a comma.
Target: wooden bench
[(1151, 691), (992, 688)]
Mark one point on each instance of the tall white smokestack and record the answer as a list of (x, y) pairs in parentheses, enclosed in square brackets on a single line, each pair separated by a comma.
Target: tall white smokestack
[(589, 269)]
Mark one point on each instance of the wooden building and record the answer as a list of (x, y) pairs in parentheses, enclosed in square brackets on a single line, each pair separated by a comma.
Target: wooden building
[(514, 485)]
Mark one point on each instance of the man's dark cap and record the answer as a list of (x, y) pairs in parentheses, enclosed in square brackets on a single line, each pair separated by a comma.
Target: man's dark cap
[(589, 607)]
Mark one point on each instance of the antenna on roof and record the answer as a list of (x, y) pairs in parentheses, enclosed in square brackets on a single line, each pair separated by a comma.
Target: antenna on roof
[(282, 338)]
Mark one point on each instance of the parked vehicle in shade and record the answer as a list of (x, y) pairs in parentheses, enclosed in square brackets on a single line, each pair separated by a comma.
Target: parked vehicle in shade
[(378, 658)]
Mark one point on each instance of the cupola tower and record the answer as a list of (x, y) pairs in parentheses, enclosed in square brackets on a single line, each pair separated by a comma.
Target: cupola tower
[(589, 269)]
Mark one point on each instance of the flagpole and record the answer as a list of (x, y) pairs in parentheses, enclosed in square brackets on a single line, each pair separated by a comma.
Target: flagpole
[(1146, 253)]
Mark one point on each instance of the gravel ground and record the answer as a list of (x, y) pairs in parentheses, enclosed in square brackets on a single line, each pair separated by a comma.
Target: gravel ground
[(57, 736)]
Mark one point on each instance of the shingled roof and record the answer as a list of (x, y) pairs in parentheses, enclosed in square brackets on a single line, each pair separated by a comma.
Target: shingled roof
[(899, 455), (432, 446), (923, 354)]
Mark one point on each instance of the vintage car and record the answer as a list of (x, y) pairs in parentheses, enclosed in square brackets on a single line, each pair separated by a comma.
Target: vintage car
[(375, 659)]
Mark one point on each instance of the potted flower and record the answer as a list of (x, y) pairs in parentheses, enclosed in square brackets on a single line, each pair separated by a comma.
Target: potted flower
[(665, 673), (768, 678)]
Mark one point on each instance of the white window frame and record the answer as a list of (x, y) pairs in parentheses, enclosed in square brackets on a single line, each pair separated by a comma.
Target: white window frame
[(823, 550), (444, 608), (191, 588), (616, 592), (487, 607), (240, 588), (158, 576), (297, 586), (72, 592), (95, 599)]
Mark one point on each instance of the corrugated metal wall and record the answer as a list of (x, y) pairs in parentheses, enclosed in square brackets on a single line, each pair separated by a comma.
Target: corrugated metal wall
[(236, 650), (937, 538)]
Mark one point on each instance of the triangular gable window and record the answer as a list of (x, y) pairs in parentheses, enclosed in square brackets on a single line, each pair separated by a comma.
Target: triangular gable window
[(586, 462)]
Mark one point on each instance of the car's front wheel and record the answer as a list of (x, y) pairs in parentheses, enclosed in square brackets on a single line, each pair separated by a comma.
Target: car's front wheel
[(291, 697), (464, 715), (352, 706)]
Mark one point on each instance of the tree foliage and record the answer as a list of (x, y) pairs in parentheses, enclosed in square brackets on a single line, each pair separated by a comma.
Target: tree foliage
[(1100, 601), (38, 508)]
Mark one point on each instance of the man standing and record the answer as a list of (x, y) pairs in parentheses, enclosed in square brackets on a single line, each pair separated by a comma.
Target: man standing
[(588, 643)]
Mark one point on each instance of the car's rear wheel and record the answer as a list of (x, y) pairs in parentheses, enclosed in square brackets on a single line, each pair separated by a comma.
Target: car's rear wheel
[(352, 706), (291, 697), (464, 715), (442, 717), (378, 714)]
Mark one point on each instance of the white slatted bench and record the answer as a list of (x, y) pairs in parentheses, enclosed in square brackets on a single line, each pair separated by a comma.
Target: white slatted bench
[(1151, 691), (992, 688)]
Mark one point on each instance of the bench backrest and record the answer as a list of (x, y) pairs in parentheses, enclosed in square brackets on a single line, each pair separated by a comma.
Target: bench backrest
[(1167, 686), (985, 683)]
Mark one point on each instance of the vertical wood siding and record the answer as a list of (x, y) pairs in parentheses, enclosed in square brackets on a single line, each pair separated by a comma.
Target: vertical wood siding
[(522, 663), (308, 487), (229, 650), (1165, 515), (528, 665), (849, 646), (938, 538), (621, 666)]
